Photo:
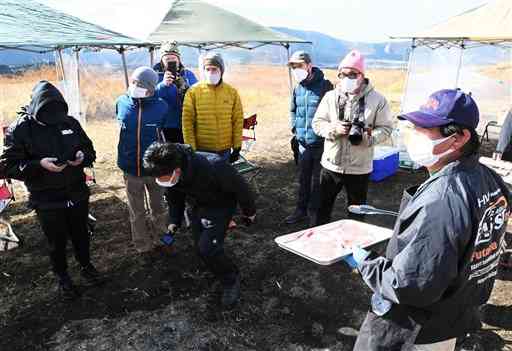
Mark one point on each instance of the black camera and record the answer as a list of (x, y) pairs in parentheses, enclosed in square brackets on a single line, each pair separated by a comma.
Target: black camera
[(172, 66), (355, 136)]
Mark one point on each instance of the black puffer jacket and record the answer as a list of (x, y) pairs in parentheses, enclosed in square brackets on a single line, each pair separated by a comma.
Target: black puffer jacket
[(27, 141), (209, 185)]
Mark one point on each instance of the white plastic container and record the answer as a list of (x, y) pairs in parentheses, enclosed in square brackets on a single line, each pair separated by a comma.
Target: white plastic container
[(330, 243)]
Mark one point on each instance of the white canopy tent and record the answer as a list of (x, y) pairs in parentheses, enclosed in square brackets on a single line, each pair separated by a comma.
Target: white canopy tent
[(471, 51), (32, 26)]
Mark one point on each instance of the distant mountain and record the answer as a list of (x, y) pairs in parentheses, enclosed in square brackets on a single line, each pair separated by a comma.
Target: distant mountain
[(326, 51)]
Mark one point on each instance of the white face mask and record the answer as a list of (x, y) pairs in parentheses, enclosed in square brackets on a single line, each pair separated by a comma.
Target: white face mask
[(421, 148), (349, 85), (299, 74), (137, 92), (171, 182), (212, 78)]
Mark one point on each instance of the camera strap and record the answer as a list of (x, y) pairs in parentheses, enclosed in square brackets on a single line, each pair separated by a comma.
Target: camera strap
[(360, 109)]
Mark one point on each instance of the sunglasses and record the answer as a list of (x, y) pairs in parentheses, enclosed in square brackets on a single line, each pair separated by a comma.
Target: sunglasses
[(350, 75)]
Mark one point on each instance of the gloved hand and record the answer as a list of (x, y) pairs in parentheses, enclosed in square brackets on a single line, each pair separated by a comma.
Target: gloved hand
[(235, 155), (357, 256)]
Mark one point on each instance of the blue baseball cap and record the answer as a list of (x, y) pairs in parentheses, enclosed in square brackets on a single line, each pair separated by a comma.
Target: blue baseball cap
[(444, 107)]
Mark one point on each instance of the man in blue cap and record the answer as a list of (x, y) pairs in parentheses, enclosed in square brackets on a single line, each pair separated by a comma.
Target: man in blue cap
[(442, 259)]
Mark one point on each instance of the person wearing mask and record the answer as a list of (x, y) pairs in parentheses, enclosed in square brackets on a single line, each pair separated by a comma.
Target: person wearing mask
[(504, 147), (310, 89), (352, 118), (174, 81), (442, 260), (141, 115), (48, 150), (214, 188), (212, 113)]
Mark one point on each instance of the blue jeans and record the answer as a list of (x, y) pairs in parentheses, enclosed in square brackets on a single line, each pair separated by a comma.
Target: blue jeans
[(309, 178)]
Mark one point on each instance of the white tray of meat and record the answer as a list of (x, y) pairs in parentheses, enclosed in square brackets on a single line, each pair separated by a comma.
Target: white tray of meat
[(330, 243)]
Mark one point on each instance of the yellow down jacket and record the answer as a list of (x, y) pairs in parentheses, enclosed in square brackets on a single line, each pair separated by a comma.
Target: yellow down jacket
[(212, 118)]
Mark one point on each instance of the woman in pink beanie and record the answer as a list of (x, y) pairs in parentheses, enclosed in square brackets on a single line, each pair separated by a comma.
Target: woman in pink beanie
[(351, 72), (352, 119)]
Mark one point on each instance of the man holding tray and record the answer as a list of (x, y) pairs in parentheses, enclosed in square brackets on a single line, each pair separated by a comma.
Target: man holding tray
[(443, 257)]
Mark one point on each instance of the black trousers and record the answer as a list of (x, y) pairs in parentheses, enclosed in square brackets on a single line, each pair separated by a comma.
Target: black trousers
[(209, 227), (309, 178), (331, 183), (60, 224), (173, 135)]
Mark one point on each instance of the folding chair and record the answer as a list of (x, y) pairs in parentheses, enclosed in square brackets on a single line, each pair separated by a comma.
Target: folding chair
[(248, 139), (485, 134), (8, 240)]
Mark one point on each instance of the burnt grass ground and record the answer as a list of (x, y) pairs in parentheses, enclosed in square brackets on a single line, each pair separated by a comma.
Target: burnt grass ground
[(158, 302)]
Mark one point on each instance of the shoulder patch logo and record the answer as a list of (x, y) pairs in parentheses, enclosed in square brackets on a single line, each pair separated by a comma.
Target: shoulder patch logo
[(495, 216)]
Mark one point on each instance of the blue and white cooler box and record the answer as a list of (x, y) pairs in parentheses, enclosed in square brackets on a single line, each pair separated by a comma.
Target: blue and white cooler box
[(385, 162)]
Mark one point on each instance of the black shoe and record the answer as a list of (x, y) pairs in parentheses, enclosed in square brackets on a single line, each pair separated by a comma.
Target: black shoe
[(67, 290), (231, 293), (296, 217), (470, 342), (91, 276)]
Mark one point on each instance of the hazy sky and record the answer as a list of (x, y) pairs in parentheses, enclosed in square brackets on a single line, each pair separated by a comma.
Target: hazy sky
[(356, 20)]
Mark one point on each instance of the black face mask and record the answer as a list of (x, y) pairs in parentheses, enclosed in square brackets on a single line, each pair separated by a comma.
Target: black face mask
[(52, 113)]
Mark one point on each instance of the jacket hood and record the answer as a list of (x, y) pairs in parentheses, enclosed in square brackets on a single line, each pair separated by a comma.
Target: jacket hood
[(43, 93), (317, 76)]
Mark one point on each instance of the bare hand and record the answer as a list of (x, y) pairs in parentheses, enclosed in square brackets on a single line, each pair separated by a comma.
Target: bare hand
[(342, 128), (79, 158), (48, 164), (172, 228), (169, 78)]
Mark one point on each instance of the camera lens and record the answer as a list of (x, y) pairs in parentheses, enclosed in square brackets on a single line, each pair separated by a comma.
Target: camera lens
[(356, 133)]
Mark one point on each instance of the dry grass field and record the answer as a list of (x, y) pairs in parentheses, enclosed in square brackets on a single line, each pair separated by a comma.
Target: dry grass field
[(287, 303)]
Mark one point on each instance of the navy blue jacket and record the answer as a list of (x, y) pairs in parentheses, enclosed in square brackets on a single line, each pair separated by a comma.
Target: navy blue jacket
[(173, 96), (140, 121), (442, 260), (305, 100), (170, 95), (208, 185)]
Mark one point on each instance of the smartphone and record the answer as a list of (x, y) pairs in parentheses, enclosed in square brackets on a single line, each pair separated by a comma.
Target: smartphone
[(172, 66)]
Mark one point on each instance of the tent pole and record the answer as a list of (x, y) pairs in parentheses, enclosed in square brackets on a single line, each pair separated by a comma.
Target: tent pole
[(125, 70), (290, 83), (151, 56), (462, 47), (61, 63), (409, 66), (79, 103)]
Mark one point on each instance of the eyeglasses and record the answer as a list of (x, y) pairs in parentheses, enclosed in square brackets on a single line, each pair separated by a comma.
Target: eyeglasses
[(350, 75)]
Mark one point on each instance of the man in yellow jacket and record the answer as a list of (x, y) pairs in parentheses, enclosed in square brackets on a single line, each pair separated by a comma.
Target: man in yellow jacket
[(212, 117)]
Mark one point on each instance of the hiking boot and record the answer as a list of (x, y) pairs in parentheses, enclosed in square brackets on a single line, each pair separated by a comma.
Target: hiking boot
[(91, 276), (231, 293), (67, 290), (296, 217), (470, 342)]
